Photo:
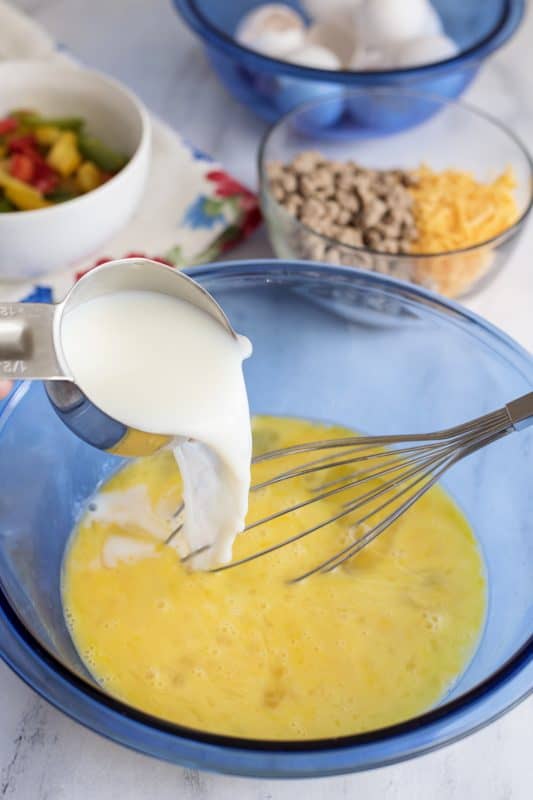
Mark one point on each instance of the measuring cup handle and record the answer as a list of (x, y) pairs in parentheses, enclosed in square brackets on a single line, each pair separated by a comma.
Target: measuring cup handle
[(27, 349)]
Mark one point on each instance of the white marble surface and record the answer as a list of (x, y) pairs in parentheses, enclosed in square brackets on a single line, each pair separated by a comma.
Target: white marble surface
[(44, 755)]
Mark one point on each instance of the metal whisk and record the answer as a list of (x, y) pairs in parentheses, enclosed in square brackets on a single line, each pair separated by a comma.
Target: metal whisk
[(399, 470)]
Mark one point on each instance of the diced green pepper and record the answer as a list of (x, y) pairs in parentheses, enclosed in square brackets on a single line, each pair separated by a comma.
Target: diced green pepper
[(33, 120), (92, 149), (61, 196), (5, 205)]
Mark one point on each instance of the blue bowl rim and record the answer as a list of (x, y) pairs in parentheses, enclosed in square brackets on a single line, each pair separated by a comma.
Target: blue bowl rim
[(429, 97), (509, 21), (510, 668)]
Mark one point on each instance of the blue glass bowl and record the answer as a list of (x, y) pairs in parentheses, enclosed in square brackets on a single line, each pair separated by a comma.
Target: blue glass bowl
[(271, 87), (330, 343)]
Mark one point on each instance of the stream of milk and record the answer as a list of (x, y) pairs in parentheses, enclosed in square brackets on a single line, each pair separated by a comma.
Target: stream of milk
[(162, 365)]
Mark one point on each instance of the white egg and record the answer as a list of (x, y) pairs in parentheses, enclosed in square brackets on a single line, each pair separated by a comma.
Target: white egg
[(381, 21), (432, 22), (371, 58), (278, 43), (425, 50), (313, 55), (272, 29), (329, 10), (332, 35)]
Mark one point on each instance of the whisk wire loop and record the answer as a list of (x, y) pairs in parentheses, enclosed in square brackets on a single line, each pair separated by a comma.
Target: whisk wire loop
[(398, 470)]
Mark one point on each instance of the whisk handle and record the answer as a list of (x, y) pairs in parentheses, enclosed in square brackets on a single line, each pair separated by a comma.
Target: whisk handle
[(520, 412)]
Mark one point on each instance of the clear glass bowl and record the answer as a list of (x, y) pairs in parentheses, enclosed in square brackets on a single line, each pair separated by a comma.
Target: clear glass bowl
[(459, 136), (334, 344), (270, 87)]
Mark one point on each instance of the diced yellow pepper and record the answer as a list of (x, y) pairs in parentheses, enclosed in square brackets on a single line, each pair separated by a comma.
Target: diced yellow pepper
[(64, 156), (88, 177), (23, 196), (47, 135)]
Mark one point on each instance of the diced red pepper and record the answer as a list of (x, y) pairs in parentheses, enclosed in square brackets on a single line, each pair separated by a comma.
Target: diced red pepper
[(8, 125), (42, 177), (26, 144), (45, 179), (21, 167)]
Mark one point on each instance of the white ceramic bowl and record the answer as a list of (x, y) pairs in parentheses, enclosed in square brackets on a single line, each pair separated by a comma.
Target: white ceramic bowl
[(36, 242)]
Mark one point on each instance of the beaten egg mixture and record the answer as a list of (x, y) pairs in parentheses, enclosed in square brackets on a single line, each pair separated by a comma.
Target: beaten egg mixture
[(245, 653)]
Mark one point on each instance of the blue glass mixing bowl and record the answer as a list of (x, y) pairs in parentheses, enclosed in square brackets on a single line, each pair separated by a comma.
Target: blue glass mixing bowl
[(330, 343), (271, 87)]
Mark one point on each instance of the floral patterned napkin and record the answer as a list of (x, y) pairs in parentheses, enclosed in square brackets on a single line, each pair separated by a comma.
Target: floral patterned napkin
[(192, 210)]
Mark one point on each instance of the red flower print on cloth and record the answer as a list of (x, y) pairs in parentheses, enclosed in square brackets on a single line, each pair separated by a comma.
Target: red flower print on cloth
[(250, 217)]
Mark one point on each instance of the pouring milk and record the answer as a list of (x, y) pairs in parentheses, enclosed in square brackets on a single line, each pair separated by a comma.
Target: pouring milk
[(162, 365)]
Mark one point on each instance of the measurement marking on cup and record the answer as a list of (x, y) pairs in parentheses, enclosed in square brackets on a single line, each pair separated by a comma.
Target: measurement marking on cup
[(7, 311), (17, 367)]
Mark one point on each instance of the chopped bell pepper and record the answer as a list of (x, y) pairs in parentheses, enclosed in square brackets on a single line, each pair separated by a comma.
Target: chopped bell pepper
[(22, 167), (88, 177), (33, 120), (94, 150), (23, 144), (5, 205), (47, 135), (24, 197), (45, 160), (7, 125), (61, 196), (64, 155), (45, 179)]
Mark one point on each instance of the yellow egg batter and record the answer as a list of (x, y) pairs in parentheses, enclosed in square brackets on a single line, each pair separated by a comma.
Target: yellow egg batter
[(245, 653)]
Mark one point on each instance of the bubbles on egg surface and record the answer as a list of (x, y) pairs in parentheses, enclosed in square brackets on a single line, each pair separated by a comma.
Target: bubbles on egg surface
[(200, 672), (433, 621), (298, 727)]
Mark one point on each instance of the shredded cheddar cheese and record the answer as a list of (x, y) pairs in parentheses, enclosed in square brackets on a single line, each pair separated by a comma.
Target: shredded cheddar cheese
[(453, 210)]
